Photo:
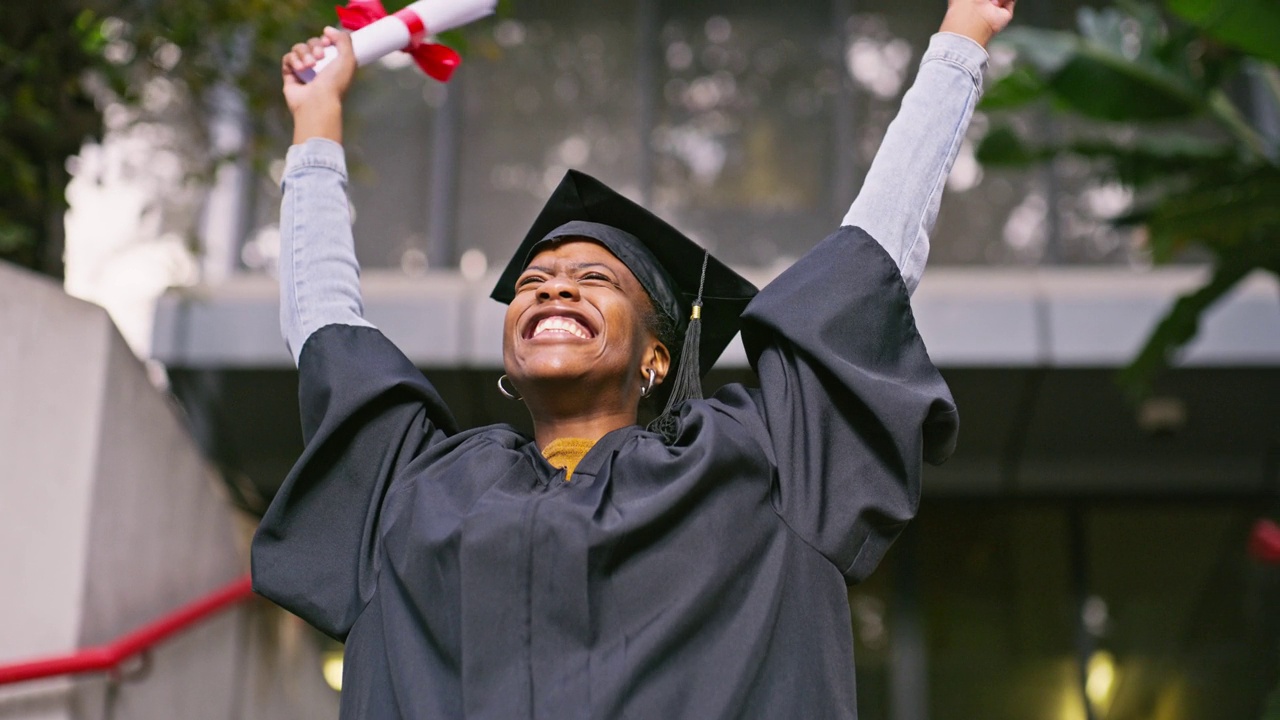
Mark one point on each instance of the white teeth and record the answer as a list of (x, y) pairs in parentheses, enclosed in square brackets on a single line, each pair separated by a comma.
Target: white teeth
[(557, 323)]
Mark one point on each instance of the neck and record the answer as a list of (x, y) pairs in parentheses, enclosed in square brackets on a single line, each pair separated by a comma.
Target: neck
[(568, 412), (588, 426)]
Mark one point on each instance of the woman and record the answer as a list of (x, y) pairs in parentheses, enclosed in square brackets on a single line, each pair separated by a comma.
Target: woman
[(698, 574)]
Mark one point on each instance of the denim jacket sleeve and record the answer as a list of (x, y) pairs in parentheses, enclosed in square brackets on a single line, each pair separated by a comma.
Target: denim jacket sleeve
[(319, 274), (899, 200)]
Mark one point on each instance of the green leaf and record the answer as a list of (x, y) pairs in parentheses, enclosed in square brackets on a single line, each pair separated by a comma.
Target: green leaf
[(1168, 159), (1002, 146), (1105, 86), (1249, 25), (1046, 50), (1177, 328), (1018, 88), (1224, 216)]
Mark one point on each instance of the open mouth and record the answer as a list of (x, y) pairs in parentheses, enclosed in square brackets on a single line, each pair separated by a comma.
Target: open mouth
[(560, 326)]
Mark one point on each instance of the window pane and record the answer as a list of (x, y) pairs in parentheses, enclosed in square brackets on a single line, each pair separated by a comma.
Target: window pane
[(997, 602), (744, 133), (551, 87), (1189, 621), (388, 141)]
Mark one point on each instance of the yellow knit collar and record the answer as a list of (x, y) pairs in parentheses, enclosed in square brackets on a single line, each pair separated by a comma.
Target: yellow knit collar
[(567, 453)]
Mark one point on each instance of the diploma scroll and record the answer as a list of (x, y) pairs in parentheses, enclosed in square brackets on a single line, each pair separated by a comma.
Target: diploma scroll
[(405, 30)]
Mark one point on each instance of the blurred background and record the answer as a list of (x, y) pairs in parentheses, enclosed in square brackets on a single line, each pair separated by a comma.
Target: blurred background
[(1102, 298)]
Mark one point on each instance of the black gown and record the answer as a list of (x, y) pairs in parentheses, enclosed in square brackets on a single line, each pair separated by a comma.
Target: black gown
[(702, 579)]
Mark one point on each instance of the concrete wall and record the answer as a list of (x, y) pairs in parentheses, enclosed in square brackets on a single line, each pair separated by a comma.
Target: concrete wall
[(110, 518)]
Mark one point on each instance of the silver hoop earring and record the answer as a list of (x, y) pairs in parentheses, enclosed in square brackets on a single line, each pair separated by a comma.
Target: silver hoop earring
[(647, 389), (502, 389)]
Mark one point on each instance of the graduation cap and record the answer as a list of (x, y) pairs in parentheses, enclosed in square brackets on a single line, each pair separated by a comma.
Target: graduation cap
[(701, 296)]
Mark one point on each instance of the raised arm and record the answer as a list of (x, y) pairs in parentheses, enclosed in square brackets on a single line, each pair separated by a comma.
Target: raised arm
[(899, 200), (319, 275)]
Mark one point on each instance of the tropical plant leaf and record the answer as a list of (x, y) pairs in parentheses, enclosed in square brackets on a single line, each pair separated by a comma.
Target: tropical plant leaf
[(1177, 328), (1166, 159), (1224, 217), (1020, 87), (1002, 146), (1099, 84), (1252, 26), (1169, 159), (1046, 50)]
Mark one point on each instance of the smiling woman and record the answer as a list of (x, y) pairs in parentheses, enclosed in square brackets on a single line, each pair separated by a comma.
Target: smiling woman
[(600, 569)]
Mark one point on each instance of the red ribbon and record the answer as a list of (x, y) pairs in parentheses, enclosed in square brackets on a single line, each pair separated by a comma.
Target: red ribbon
[(1264, 542), (437, 61)]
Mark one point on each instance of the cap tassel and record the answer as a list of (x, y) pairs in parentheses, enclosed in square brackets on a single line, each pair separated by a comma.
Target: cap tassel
[(688, 378)]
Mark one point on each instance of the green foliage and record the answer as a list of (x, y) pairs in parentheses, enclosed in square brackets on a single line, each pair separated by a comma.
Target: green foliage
[(45, 113), (64, 62), (1161, 74)]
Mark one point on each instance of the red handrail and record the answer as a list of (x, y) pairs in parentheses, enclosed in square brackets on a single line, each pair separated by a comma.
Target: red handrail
[(108, 657)]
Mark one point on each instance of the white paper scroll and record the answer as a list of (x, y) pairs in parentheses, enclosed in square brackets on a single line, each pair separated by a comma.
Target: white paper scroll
[(389, 34)]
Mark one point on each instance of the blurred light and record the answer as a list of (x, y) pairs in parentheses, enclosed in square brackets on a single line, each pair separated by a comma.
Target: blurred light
[(1095, 615), (396, 60), (509, 33), (413, 262), (679, 55), (473, 264), (157, 94), (119, 52), (719, 29), (276, 171), (331, 668), (262, 253), (574, 151), (1107, 200), (1162, 415), (166, 56), (966, 173), (869, 620), (1100, 681), (1026, 230), (880, 67)]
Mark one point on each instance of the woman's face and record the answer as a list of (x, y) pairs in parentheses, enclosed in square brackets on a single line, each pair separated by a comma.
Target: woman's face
[(580, 315)]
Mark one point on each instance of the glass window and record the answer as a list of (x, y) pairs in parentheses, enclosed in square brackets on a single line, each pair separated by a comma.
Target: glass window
[(550, 87), (743, 139), (389, 122), (1179, 621), (1186, 624)]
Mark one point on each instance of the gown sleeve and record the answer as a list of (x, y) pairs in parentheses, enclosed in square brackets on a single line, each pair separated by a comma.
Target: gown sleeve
[(850, 401), (366, 411)]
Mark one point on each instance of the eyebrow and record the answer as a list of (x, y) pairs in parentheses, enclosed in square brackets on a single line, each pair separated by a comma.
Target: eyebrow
[(575, 266)]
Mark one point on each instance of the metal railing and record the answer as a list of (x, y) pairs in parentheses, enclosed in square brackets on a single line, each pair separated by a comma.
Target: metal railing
[(109, 657)]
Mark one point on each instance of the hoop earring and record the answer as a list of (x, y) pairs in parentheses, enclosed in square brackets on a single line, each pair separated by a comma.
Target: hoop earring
[(508, 393), (647, 389)]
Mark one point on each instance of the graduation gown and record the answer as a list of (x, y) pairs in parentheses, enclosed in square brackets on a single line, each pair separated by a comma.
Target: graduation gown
[(701, 579)]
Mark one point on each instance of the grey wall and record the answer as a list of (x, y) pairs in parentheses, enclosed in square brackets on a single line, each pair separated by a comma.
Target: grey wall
[(109, 519)]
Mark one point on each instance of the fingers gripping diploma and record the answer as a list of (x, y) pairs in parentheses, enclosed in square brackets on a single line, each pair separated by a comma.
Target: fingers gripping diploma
[(317, 106), (979, 20)]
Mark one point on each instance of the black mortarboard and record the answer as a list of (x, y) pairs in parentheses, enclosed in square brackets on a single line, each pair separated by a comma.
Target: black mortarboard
[(668, 265)]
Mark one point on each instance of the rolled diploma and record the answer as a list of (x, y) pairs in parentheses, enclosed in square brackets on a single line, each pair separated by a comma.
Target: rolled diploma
[(385, 36)]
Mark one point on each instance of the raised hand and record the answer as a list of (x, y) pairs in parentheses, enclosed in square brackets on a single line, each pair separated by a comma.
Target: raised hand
[(980, 20), (317, 106)]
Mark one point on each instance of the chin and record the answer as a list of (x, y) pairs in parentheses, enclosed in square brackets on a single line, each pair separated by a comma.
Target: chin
[(553, 367)]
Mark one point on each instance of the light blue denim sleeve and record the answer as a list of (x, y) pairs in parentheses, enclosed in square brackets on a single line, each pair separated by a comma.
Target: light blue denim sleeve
[(899, 200), (319, 274)]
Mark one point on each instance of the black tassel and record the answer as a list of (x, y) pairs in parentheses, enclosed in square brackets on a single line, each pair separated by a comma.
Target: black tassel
[(687, 384)]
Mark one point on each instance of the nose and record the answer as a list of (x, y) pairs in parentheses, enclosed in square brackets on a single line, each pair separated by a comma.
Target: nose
[(558, 287)]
